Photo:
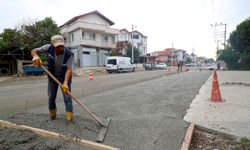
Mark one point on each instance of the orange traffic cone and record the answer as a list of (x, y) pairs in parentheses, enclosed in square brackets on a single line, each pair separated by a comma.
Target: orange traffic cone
[(215, 94), (90, 75)]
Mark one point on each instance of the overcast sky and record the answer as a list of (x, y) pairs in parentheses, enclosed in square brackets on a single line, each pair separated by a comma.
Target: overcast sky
[(185, 23)]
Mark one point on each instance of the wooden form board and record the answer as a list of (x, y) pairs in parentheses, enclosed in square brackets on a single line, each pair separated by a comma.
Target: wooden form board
[(46, 133)]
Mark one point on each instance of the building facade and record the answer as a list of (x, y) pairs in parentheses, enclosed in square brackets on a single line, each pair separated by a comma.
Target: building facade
[(170, 56), (138, 40), (90, 37)]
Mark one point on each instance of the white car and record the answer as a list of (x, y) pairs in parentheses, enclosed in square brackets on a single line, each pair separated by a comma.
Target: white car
[(208, 67), (161, 66)]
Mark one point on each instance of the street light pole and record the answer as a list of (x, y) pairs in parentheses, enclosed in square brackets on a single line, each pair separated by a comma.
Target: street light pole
[(133, 27)]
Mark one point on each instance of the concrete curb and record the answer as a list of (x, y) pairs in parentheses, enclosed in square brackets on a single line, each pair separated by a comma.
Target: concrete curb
[(189, 134), (188, 138)]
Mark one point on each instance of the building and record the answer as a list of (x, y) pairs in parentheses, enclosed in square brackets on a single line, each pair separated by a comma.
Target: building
[(139, 40), (90, 37), (170, 55)]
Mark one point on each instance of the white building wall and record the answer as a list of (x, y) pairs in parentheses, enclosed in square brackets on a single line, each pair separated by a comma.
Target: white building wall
[(124, 36), (96, 19), (76, 40), (90, 52)]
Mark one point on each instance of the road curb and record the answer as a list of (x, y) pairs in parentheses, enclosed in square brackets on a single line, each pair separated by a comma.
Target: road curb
[(188, 137)]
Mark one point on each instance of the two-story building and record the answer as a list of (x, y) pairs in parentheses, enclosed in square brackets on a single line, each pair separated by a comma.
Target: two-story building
[(90, 37), (170, 55), (138, 39)]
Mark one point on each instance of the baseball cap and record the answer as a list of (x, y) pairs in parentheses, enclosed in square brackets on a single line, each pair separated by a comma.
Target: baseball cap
[(57, 40)]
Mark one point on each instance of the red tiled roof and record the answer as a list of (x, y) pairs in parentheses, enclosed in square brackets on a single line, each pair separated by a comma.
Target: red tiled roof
[(92, 12)]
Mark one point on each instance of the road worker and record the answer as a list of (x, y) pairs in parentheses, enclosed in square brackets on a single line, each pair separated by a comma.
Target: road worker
[(60, 64)]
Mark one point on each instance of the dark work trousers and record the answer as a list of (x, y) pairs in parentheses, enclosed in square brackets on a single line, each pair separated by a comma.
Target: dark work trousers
[(52, 93)]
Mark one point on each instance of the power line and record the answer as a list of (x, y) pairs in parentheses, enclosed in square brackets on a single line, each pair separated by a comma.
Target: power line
[(220, 33)]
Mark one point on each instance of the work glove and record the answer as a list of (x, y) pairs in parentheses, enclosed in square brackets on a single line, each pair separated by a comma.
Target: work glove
[(65, 88), (37, 61)]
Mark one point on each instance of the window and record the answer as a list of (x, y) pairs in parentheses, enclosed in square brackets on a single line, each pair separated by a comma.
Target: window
[(85, 52), (104, 38), (83, 35), (135, 36), (112, 61), (92, 36), (72, 37), (113, 39)]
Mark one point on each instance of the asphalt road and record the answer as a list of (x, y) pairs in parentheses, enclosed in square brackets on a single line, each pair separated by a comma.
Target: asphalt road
[(145, 116), (22, 95)]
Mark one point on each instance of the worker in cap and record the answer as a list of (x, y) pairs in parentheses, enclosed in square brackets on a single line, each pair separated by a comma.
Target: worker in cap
[(60, 64)]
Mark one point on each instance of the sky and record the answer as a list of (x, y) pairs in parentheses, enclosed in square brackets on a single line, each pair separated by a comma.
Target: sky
[(183, 24)]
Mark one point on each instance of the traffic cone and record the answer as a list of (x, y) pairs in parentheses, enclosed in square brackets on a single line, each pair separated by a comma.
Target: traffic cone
[(90, 75), (215, 94)]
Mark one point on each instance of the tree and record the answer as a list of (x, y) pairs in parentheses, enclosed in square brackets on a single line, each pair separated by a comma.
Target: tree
[(114, 52), (240, 42), (189, 60), (27, 36), (9, 40), (230, 57), (136, 53), (39, 33)]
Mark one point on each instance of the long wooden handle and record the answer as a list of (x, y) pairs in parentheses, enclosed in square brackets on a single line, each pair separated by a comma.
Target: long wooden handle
[(76, 100), (46, 133)]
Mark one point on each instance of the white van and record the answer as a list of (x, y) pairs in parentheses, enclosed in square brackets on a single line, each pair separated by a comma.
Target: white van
[(119, 64)]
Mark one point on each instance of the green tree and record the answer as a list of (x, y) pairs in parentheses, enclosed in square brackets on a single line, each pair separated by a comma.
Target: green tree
[(136, 53), (189, 60), (38, 33), (9, 40), (28, 36), (230, 57), (240, 42)]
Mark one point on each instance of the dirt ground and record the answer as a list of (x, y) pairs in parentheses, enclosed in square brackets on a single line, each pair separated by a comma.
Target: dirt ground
[(212, 141)]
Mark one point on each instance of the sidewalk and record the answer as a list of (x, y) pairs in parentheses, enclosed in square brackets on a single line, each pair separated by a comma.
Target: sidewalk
[(231, 116), (4, 78), (96, 70)]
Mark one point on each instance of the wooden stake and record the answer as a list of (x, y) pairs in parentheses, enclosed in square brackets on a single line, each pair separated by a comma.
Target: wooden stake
[(46, 133)]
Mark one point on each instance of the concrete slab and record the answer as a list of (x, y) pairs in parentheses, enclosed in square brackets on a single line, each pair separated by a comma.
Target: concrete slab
[(231, 116)]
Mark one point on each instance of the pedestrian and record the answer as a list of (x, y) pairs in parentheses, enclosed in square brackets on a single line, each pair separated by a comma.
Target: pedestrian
[(178, 66), (218, 66), (60, 64), (181, 63)]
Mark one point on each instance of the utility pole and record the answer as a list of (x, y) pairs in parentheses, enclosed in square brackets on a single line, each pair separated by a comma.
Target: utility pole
[(172, 63), (224, 34), (193, 57), (133, 27)]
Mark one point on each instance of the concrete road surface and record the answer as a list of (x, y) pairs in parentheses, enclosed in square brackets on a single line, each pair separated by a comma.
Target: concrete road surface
[(22, 95), (145, 116)]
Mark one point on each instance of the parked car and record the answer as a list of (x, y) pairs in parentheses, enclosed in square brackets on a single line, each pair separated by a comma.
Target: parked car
[(161, 66), (149, 67), (31, 69), (208, 67), (119, 64)]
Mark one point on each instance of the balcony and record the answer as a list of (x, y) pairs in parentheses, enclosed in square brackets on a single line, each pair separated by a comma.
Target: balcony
[(89, 26), (97, 43)]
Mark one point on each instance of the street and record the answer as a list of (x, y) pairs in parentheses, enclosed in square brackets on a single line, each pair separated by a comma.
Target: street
[(19, 96), (145, 115)]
